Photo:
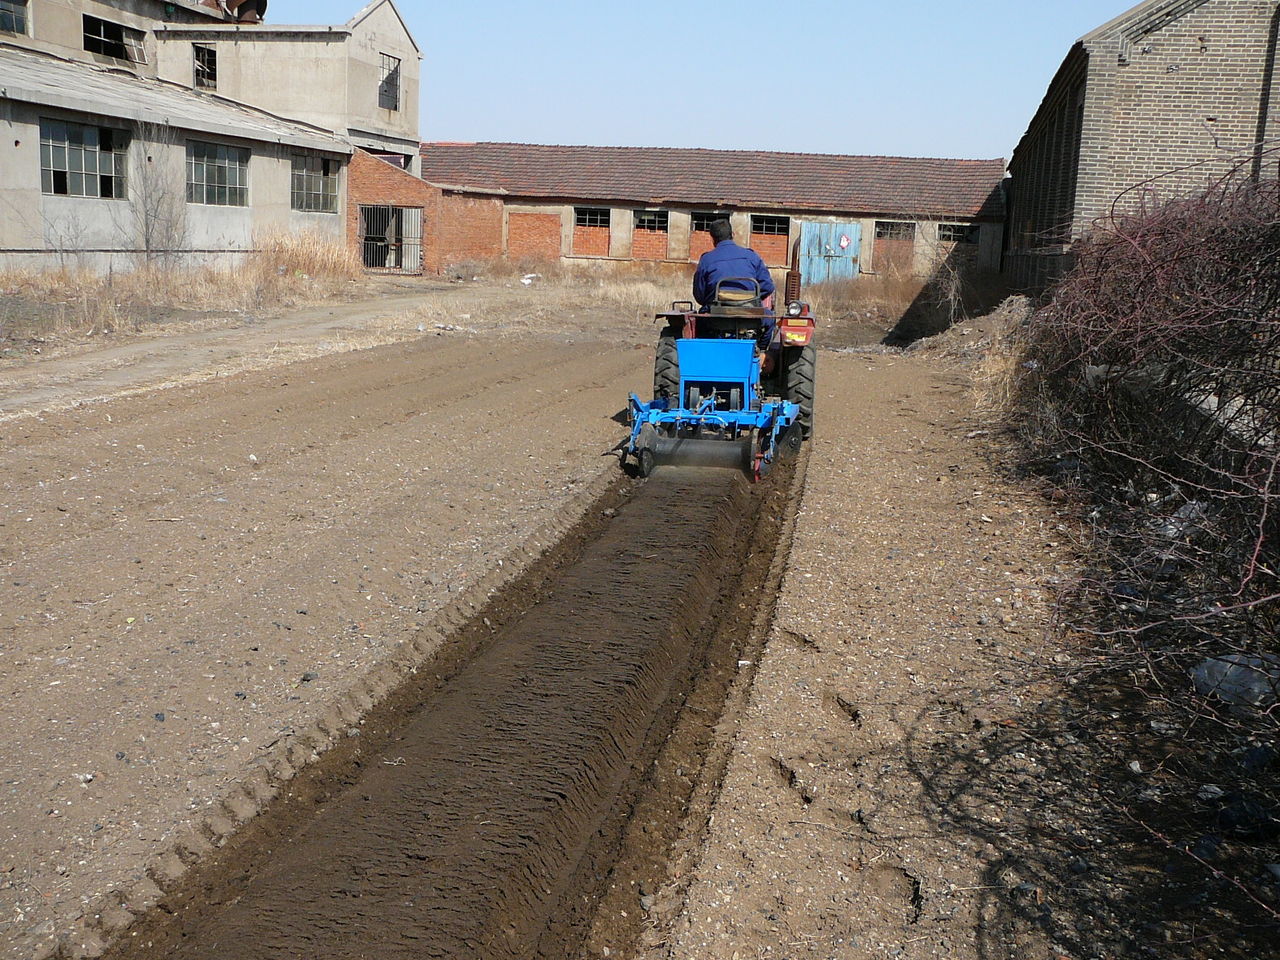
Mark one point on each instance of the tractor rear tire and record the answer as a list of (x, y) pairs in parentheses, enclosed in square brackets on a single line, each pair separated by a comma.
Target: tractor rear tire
[(666, 370), (801, 377)]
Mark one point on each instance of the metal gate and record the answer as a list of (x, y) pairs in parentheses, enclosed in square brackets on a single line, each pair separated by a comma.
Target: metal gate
[(829, 251), (391, 239)]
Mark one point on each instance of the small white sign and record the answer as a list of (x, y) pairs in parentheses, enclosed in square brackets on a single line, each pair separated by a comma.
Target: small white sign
[(845, 241)]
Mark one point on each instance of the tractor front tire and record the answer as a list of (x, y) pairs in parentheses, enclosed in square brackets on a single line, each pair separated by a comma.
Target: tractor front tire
[(666, 370), (801, 377)]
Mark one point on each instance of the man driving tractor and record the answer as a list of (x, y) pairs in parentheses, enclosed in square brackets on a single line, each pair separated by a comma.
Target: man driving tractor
[(727, 262)]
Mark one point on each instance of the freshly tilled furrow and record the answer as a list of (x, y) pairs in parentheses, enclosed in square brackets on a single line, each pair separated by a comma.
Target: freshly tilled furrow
[(465, 836)]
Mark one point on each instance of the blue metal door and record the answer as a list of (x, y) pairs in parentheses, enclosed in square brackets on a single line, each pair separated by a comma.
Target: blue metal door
[(829, 251)]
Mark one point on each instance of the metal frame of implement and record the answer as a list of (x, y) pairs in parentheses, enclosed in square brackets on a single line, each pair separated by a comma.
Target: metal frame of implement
[(723, 419)]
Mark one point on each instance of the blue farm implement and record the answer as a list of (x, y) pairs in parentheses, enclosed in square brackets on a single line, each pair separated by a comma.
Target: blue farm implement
[(732, 386)]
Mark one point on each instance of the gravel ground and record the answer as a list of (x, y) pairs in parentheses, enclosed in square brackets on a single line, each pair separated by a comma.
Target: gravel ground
[(912, 623)]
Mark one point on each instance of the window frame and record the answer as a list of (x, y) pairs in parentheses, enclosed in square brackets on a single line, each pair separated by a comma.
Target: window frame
[(968, 233), (130, 46), (91, 140), (661, 220), (761, 220), (209, 69), (582, 217), (218, 157), (895, 230), (389, 83), (302, 180), (18, 13), (707, 217)]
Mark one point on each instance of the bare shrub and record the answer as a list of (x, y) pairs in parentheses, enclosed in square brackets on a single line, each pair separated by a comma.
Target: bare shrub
[(1156, 365), (1149, 383)]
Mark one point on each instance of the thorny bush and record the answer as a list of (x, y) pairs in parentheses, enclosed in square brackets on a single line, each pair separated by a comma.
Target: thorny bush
[(1155, 367), (1149, 381)]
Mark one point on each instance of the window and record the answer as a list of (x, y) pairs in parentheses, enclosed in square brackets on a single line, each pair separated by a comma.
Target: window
[(113, 40), (389, 87), (13, 16), (591, 216), (217, 174), (702, 220), (651, 220), (895, 230), (315, 184), (772, 226), (82, 161), (957, 233), (206, 66)]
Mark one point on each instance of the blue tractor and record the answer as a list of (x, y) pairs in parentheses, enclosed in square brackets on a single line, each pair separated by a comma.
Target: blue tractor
[(731, 386)]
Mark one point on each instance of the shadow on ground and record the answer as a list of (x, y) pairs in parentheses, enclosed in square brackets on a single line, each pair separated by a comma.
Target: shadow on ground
[(1111, 818)]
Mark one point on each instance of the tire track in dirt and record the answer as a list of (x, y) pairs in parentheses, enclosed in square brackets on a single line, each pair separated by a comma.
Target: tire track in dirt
[(475, 825)]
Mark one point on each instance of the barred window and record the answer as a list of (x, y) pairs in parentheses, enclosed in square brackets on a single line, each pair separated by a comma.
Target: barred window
[(702, 220), (895, 230), (206, 66), (773, 226), (389, 86), (315, 184), (217, 174), (82, 161), (591, 216), (13, 16), (651, 220), (958, 233), (113, 40)]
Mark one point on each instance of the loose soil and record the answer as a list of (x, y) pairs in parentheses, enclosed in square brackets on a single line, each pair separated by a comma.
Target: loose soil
[(218, 571)]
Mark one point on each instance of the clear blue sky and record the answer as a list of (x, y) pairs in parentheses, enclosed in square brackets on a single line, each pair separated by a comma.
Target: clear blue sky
[(940, 78)]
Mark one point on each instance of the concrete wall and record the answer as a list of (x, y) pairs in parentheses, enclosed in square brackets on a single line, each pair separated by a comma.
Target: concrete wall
[(378, 33), (327, 78), (57, 26), (38, 230)]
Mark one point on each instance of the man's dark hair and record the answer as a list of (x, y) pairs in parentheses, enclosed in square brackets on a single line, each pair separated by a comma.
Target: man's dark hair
[(721, 230)]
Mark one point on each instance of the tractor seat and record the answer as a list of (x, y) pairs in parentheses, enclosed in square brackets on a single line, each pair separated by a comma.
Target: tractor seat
[(729, 302)]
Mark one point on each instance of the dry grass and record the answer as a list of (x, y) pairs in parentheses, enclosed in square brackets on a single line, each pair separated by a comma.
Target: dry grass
[(635, 290), (888, 295), (995, 376), (286, 269)]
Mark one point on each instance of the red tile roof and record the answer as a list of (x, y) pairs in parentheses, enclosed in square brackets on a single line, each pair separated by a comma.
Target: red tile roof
[(729, 178)]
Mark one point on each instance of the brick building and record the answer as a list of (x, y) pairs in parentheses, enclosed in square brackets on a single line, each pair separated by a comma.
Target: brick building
[(1164, 99), (843, 215)]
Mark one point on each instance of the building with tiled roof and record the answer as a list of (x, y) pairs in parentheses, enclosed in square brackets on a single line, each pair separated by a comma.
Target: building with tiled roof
[(840, 215)]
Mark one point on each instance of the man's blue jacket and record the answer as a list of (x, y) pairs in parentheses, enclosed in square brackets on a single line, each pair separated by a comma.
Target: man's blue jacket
[(725, 262)]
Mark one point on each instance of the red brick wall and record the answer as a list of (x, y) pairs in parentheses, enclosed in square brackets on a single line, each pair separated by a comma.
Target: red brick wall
[(468, 228), (649, 245), (699, 243), (371, 180), (774, 249), (591, 241), (533, 235)]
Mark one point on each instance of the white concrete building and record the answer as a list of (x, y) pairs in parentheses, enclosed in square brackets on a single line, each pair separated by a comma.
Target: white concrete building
[(126, 140)]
